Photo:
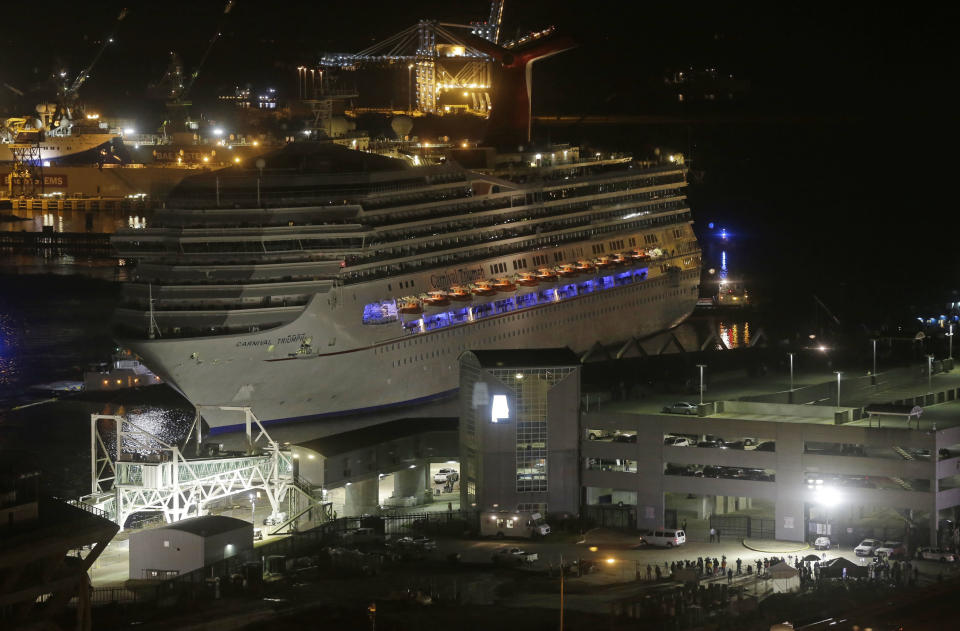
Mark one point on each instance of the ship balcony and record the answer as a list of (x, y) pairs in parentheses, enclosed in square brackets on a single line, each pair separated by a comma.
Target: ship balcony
[(211, 304), (238, 274)]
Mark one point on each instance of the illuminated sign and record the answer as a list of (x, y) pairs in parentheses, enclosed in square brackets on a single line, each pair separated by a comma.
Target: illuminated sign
[(499, 410)]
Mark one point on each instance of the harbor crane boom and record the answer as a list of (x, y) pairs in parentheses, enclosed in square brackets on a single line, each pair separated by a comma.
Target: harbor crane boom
[(69, 91)]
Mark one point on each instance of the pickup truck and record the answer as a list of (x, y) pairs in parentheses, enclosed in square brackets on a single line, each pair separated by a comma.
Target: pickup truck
[(513, 555)]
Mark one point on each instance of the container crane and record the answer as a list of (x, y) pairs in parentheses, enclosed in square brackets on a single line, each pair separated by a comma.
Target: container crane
[(68, 92), (176, 87)]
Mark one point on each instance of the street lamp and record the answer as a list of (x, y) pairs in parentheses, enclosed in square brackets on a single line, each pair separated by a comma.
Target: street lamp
[(874, 340), (253, 508), (701, 367), (838, 387), (950, 343), (929, 373)]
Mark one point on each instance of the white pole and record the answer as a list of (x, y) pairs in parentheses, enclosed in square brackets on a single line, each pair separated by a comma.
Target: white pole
[(701, 367), (791, 371), (874, 356), (929, 373), (950, 343), (838, 387)]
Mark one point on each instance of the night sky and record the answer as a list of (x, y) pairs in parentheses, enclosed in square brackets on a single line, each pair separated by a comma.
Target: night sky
[(839, 163)]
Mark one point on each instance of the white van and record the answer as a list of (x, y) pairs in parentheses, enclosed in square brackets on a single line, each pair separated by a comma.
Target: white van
[(666, 538)]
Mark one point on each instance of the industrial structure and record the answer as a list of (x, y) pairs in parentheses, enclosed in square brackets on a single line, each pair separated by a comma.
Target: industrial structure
[(465, 69), (139, 472)]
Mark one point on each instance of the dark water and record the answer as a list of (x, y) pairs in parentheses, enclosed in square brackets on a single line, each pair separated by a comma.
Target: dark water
[(51, 327)]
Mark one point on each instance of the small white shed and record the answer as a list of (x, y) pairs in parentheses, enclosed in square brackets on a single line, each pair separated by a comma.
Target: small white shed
[(187, 545)]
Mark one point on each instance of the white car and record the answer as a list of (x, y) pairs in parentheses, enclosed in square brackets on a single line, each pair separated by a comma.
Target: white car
[(677, 441), (936, 554), (822, 543), (681, 407), (891, 549), (446, 475), (867, 547)]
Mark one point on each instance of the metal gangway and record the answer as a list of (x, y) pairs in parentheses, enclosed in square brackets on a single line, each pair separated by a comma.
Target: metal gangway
[(143, 473)]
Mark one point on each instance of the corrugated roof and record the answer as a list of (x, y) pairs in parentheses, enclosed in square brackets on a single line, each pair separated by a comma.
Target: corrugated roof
[(527, 358), (208, 525)]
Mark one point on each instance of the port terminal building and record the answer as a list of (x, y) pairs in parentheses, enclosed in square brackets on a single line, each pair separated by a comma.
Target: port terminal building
[(760, 469)]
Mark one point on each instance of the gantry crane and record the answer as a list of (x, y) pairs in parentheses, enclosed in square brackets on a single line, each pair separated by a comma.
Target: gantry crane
[(444, 62), (176, 86), (68, 92)]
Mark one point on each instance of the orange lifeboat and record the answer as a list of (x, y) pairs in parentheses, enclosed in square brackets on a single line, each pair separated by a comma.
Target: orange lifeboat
[(546, 276), (436, 299), (604, 262), (639, 255), (503, 285), (410, 306), (528, 280), (585, 266), (482, 288), (459, 294), (619, 260), (568, 271)]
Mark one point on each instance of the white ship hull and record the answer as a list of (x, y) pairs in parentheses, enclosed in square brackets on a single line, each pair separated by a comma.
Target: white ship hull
[(351, 367), (53, 148)]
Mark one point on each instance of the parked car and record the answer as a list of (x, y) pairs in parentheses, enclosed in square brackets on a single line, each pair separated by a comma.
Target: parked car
[(597, 434), (712, 444), (513, 555), (258, 534), (625, 438), (821, 543), (867, 547), (936, 554), (891, 549), (681, 407), (676, 469), (446, 475), (677, 441), (748, 444), (710, 471), (767, 446)]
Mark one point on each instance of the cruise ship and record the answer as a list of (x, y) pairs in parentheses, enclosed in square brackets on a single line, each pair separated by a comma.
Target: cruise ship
[(338, 282)]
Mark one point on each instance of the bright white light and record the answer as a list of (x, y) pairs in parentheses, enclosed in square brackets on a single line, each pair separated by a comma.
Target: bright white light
[(827, 496), (217, 132), (129, 131), (499, 408)]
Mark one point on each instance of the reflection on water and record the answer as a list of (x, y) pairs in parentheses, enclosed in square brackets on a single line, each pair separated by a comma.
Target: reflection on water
[(105, 221), (735, 334), (51, 328)]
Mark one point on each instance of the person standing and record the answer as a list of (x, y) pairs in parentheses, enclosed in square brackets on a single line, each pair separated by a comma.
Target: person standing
[(718, 535), (683, 525), (729, 576), (739, 562), (649, 572), (713, 535)]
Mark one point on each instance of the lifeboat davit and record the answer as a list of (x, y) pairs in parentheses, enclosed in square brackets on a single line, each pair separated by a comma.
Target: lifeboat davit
[(504, 286), (482, 288), (459, 294), (410, 306), (437, 300)]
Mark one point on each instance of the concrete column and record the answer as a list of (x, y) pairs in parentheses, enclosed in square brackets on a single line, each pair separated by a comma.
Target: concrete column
[(719, 505), (703, 507), (361, 498), (410, 483)]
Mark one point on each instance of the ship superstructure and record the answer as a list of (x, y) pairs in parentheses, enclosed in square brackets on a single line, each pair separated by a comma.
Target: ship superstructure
[(307, 292)]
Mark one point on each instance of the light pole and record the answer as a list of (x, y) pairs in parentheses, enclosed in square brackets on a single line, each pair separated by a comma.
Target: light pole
[(950, 343), (253, 508), (791, 376), (701, 367), (929, 373), (838, 387)]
